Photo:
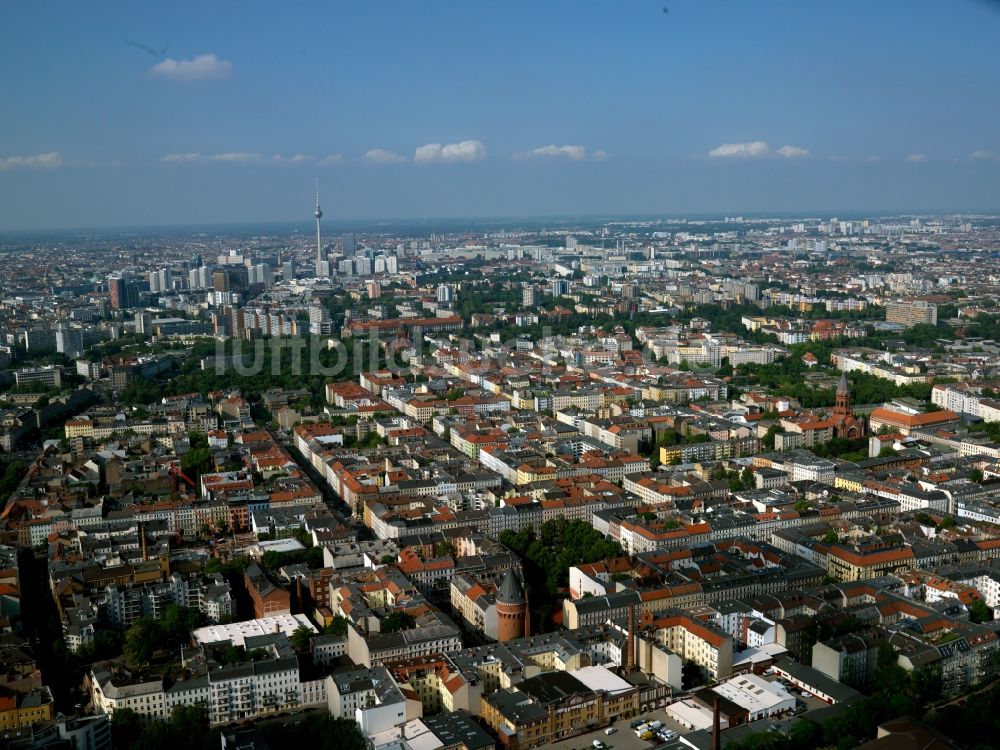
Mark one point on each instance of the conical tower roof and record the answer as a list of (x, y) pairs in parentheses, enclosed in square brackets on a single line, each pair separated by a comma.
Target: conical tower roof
[(842, 387), (510, 591)]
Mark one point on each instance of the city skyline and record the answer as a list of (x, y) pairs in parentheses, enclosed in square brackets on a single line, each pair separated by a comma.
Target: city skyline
[(514, 110)]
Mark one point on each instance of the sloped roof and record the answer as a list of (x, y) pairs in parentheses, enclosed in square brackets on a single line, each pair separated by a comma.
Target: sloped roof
[(510, 591)]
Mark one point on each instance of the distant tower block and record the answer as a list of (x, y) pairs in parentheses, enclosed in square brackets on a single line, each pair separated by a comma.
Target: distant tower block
[(512, 608)]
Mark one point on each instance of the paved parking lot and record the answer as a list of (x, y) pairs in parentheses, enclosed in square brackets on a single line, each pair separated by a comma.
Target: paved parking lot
[(811, 701), (623, 739)]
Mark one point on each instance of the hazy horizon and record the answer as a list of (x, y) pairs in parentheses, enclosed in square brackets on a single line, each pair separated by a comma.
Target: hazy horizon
[(306, 226)]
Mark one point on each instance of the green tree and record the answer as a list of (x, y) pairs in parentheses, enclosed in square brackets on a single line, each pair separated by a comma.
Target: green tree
[(316, 731), (548, 556), (979, 611), (300, 638), (141, 640), (804, 734), (10, 477), (188, 726), (197, 461), (107, 643), (397, 621), (338, 627), (126, 727), (233, 654), (725, 369), (768, 440), (177, 622)]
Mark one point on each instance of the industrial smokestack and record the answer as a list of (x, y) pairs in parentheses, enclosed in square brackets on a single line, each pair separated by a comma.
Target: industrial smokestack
[(716, 726), (630, 642)]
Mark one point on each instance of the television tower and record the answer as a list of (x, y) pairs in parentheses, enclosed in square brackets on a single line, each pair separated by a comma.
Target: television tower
[(321, 263)]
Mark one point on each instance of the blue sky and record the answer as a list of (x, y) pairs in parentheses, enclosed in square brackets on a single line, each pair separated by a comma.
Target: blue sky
[(446, 109)]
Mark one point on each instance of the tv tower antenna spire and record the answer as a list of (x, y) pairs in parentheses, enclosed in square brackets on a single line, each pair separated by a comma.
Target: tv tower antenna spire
[(320, 261)]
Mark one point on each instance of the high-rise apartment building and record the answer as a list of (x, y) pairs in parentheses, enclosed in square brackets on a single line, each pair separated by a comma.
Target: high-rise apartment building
[(347, 244), (199, 278), (911, 312), (230, 280), (123, 292), (560, 287), (362, 265), (161, 280)]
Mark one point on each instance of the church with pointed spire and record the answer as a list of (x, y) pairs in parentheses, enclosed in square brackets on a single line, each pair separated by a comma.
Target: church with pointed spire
[(845, 424)]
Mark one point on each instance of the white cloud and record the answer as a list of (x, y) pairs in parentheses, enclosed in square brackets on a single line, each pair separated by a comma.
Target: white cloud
[(461, 151), (238, 157), (984, 155), (599, 155), (748, 150), (182, 158), (200, 68), (43, 161), (329, 161), (873, 159), (792, 152), (576, 153), (916, 157), (381, 156)]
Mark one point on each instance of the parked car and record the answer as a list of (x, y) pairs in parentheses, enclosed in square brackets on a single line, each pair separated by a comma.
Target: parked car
[(610, 730), (598, 744)]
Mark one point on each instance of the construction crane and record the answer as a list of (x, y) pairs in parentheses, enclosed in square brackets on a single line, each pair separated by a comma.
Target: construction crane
[(177, 473)]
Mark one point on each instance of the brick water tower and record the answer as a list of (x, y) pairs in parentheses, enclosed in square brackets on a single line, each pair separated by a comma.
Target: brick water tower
[(512, 608)]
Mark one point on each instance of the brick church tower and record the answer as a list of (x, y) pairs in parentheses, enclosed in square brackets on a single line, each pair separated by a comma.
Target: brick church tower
[(845, 424)]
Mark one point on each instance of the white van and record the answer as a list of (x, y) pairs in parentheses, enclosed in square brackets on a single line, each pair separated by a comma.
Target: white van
[(610, 730)]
